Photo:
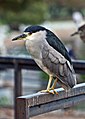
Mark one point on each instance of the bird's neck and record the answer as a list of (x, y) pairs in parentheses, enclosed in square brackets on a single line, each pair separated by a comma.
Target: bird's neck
[(34, 48)]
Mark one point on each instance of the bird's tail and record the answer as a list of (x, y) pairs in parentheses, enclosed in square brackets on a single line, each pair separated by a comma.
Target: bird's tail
[(68, 81)]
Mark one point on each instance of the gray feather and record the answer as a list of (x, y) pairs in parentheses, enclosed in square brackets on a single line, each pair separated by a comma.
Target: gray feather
[(62, 71)]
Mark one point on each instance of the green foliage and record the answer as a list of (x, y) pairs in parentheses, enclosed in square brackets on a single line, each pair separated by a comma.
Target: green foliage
[(4, 101), (37, 11), (44, 76), (27, 13), (83, 78), (63, 9)]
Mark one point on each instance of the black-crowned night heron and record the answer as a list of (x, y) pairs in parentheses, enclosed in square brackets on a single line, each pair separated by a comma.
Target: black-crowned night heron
[(80, 32), (50, 55)]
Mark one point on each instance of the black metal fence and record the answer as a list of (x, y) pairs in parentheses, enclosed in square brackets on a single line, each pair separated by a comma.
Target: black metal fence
[(23, 63)]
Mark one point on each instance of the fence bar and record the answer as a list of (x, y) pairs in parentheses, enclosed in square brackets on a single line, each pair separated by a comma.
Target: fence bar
[(55, 105), (18, 85), (40, 103), (24, 63), (22, 111)]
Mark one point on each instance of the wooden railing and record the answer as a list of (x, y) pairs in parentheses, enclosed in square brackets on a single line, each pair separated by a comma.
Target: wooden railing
[(24, 63), (39, 103)]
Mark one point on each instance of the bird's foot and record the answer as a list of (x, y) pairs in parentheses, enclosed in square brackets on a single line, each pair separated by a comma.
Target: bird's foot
[(50, 91), (55, 92), (47, 91)]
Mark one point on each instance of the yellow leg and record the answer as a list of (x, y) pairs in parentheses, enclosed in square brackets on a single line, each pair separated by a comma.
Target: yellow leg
[(49, 82), (48, 86), (53, 86)]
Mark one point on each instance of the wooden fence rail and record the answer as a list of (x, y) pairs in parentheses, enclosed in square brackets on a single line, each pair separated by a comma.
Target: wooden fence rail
[(24, 63), (39, 103)]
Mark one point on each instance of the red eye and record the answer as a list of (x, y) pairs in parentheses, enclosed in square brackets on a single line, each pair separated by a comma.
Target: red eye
[(30, 33)]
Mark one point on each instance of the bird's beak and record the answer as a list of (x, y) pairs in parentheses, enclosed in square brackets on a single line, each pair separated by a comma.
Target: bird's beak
[(75, 33), (20, 37)]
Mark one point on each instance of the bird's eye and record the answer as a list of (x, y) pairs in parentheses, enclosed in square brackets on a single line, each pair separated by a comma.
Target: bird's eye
[(29, 33)]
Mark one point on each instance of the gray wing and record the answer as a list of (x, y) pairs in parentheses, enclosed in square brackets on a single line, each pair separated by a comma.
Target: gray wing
[(58, 66), (56, 43)]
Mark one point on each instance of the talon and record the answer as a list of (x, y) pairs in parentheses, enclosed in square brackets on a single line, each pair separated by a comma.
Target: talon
[(47, 91), (56, 92)]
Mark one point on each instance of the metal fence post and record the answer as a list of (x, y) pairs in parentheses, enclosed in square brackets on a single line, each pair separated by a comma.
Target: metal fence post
[(22, 109), (17, 85)]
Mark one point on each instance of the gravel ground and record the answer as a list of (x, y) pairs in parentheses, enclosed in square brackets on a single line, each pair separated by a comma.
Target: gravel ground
[(61, 114), (6, 113)]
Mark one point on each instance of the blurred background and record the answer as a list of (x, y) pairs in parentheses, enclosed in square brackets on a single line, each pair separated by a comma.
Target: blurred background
[(63, 17)]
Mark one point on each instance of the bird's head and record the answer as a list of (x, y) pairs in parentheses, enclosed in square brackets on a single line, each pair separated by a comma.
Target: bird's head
[(81, 32), (75, 33), (32, 32)]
